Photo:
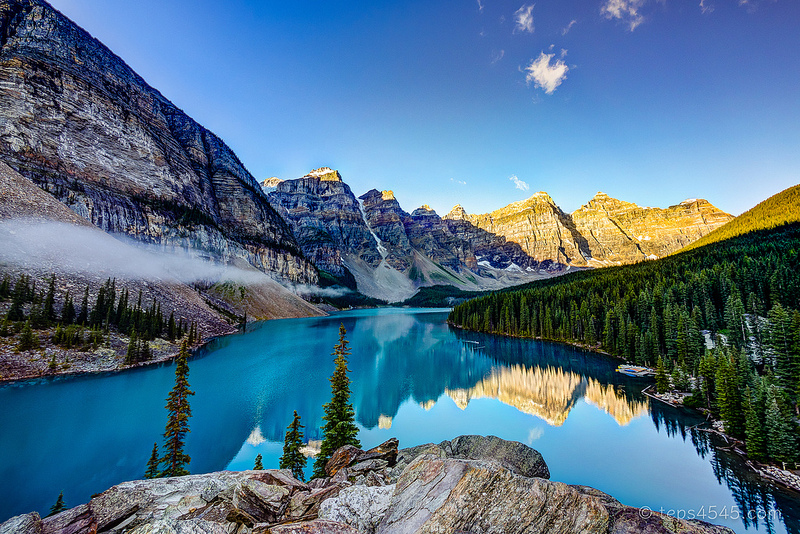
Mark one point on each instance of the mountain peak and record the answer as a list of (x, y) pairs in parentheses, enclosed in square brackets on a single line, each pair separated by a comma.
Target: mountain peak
[(325, 174), (271, 182), (423, 211), (458, 213), (387, 195)]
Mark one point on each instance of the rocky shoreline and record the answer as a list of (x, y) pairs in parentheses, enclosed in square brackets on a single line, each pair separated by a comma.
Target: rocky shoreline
[(109, 358), (470, 484)]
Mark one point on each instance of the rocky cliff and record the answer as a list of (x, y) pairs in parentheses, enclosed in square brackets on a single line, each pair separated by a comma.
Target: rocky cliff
[(82, 125), (41, 237), (470, 484), (327, 219), (388, 251), (604, 231)]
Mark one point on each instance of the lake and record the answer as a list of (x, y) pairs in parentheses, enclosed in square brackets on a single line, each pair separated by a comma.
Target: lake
[(414, 378)]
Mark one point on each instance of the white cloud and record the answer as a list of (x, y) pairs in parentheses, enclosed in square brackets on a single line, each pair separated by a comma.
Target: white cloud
[(705, 8), (547, 75), (519, 183), (569, 26), (497, 56), (480, 6), (459, 182), (524, 18), (626, 11)]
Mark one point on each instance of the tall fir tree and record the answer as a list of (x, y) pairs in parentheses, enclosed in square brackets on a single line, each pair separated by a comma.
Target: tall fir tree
[(662, 380), (48, 308), (179, 411), (152, 464), (59, 505), (292, 457), (259, 465), (340, 428), (781, 442), (83, 315), (756, 439)]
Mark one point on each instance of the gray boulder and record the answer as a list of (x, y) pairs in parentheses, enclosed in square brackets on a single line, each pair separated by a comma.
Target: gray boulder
[(23, 524), (517, 457), (456, 495), (361, 507)]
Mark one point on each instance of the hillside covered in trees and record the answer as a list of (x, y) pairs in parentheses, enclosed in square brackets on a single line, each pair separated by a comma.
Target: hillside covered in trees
[(778, 210), (740, 296)]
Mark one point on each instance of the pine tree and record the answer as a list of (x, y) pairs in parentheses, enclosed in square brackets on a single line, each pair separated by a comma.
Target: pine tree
[(754, 424), (781, 443), (83, 316), (5, 288), (152, 464), (4, 327), (171, 330), (68, 311), (132, 356), (259, 466), (662, 380), (292, 457), (179, 411), (340, 428), (28, 340), (48, 309), (59, 506), (729, 396)]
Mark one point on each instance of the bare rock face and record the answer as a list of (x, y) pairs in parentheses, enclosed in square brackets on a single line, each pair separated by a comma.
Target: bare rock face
[(492, 249), (618, 231), (82, 125), (326, 218), (428, 233), (604, 231), (448, 495), (385, 216), (538, 225), (516, 457), (471, 484)]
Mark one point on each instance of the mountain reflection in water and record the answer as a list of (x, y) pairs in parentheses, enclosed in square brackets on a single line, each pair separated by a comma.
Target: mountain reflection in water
[(413, 378)]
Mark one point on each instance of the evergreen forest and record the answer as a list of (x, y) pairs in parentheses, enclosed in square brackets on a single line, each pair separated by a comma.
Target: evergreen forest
[(720, 321)]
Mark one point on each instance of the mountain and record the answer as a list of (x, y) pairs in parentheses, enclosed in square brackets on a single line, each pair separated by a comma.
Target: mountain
[(604, 231), (778, 210), (327, 220), (386, 252), (83, 126)]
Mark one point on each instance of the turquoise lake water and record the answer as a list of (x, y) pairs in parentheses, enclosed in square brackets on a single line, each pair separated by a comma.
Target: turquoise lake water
[(414, 378)]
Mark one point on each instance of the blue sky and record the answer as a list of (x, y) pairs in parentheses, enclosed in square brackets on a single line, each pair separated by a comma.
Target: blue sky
[(650, 101)]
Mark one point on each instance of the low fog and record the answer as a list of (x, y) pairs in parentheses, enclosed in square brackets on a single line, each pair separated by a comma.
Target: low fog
[(67, 248)]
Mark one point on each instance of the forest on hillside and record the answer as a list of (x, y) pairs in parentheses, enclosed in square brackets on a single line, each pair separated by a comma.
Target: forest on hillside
[(740, 296)]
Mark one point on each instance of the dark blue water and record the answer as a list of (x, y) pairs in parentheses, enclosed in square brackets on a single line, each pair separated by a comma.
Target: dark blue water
[(414, 378)]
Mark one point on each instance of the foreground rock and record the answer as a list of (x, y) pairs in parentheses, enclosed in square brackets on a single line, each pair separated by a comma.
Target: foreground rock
[(470, 484)]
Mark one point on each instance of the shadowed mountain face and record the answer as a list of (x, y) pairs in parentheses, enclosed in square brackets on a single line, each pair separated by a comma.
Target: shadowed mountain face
[(82, 125), (389, 252)]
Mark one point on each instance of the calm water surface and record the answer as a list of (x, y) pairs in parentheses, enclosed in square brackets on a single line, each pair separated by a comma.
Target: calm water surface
[(414, 378)]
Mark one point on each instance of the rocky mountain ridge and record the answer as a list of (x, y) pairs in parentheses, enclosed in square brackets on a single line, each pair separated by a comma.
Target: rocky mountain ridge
[(387, 251), (604, 231), (469, 484), (85, 127), (390, 252)]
